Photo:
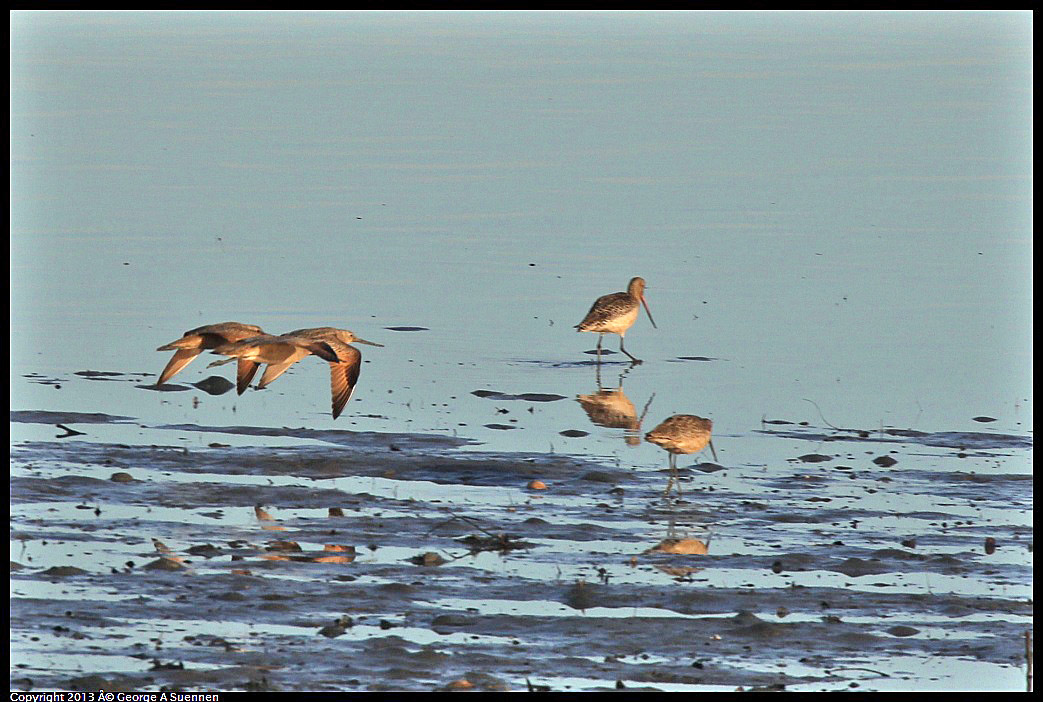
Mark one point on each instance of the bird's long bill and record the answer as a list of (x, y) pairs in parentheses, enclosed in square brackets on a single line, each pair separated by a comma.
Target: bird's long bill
[(648, 312), (363, 341), (714, 451)]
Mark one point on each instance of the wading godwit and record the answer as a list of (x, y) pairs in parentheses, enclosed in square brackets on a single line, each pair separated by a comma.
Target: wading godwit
[(281, 352), (615, 313), (195, 341), (682, 433)]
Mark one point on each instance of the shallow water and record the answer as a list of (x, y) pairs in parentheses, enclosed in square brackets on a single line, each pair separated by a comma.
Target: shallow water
[(833, 213), (812, 575)]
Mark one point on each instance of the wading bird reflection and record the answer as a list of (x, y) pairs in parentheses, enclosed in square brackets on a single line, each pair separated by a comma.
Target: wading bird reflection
[(612, 409)]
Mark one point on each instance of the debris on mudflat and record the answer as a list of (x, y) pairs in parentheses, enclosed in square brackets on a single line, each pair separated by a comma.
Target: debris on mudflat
[(493, 542)]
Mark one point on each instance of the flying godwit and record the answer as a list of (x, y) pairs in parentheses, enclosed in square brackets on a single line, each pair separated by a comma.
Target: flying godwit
[(281, 352), (252, 351), (682, 433), (195, 341), (615, 313)]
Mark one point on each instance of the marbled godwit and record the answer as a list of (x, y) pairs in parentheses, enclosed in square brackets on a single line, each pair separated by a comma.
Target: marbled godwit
[(195, 341), (252, 351), (283, 351), (615, 313), (682, 433)]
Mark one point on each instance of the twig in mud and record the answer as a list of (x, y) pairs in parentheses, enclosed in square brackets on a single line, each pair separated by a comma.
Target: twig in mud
[(471, 520), (868, 670), (494, 542), (1028, 660), (68, 432), (821, 417), (536, 688)]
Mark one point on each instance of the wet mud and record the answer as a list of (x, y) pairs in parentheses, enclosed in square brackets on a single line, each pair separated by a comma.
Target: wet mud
[(373, 561)]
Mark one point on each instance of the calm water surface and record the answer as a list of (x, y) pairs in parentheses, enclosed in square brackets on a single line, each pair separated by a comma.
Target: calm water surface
[(832, 211)]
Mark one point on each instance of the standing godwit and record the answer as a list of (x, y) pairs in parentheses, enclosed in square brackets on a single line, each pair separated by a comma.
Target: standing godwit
[(615, 313), (195, 341), (682, 433), (281, 352)]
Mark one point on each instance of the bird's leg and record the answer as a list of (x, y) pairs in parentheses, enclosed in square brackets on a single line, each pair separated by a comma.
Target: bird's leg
[(634, 360), (600, 337), (223, 361), (670, 480)]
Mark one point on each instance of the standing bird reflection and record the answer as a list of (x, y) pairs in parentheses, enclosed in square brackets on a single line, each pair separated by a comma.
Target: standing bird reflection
[(682, 433), (611, 408), (616, 313)]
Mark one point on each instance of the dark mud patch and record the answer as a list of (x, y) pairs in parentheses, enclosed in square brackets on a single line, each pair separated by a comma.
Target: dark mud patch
[(977, 441), (165, 387), (625, 363), (99, 375), (352, 565), (214, 385), (527, 396), (45, 417), (332, 436)]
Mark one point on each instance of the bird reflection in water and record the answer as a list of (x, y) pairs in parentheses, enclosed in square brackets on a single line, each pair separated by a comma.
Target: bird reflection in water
[(612, 409)]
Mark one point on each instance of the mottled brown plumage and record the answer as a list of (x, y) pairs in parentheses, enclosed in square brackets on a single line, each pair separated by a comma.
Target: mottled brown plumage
[(195, 341), (616, 313), (682, 433), (281, 352)]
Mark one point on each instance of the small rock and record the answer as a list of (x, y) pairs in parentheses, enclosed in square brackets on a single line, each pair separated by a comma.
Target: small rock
[(902, 631)]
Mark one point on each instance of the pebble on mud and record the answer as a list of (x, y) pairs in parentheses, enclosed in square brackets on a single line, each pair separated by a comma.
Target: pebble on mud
[(337, 628), (903, 631), (537, 485), (121, 478), (338, 547), (428, 559), (884, 461)]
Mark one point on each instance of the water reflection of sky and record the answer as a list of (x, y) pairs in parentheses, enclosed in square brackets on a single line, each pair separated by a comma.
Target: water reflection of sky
[(832, 207)]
